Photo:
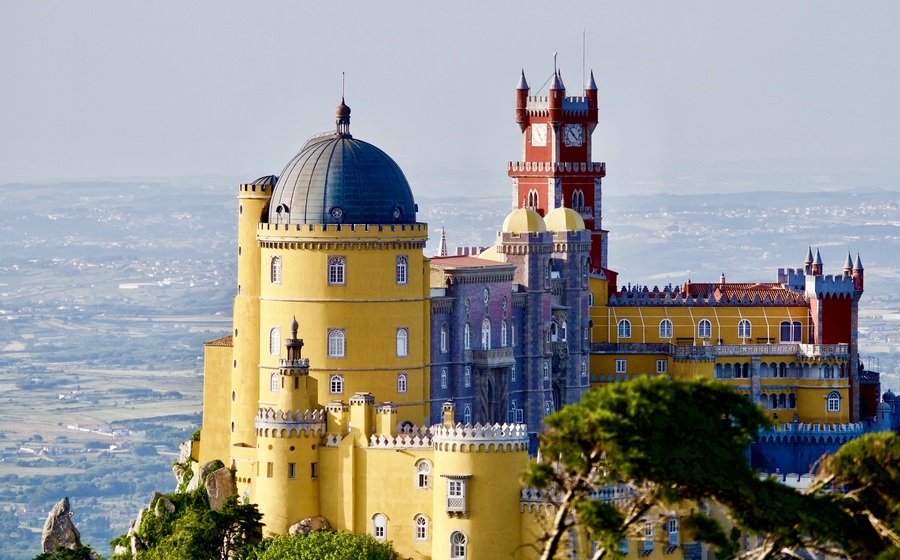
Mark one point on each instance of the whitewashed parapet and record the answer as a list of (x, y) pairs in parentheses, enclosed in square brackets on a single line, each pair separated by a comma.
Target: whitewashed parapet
[(812, 433), (401, 441), (278, 423), (333, 440), (510, 437)]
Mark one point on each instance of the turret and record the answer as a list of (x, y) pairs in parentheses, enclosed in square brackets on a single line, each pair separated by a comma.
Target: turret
[(590, 92), (557, 95), (296, 389), (848, 265), (522, 102), (817, 265), (807, 264), (857, 275)]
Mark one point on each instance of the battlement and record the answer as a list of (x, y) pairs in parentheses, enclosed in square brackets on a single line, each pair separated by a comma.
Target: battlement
[(512, 437), (812, 433), (412, 438), (247, 188), (277, 423), (714, 295), (344, 232), (302, 363), (539, 105), (792, 278), (830, 286), (593, 167)]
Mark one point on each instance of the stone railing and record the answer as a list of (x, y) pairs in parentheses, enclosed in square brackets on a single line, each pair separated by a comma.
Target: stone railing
[(497, 357), (278, 423), (467, 433)]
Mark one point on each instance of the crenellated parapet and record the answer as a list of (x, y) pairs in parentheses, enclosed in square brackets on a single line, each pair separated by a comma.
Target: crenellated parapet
[(325, 237), (812, 433), (830, 286), (418, 438), (496, 437), (707, 295), (595, 168), (270, 422)]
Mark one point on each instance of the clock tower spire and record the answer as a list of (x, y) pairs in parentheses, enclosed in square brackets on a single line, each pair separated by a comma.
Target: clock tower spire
[(557, 168)]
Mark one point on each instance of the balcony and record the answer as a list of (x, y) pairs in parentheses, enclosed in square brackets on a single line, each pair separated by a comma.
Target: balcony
[(498, 357)]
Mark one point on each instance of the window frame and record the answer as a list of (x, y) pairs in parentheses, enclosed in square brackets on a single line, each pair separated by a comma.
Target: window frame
[(402, 270), (662, 366), (379, 526), (623, 328), (444, 378), (745, 329), (445, 338), (274, 382), (467, 376), (666, 328), (336, 384), (402, 342), (467, 337), (621, 365), (420, 528), (275, 270), (402, 383), (337, 270), (833, 402), (423, 474), (486, 334), (337, 343), (704, 328), (459, 543), (274, 341)]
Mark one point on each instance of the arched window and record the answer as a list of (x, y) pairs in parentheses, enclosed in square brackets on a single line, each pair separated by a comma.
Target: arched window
[(275, 270), (546, 370), (467, 377), (512, 334), (336, 343), (379, 526), (744, 329), (624, 328), (504, 339), (443, 378), (421, 525), (337, 270), (834, 401), (336, 384), (402, 342), (554, 331), (486, 334), (274, 382), (578, 200), (274, 341), (704, 329), (423, 475), (584, 368), (458, 542), (562, 332), (402, 270), (445, 338), (401, 382), (467, 415), (533, 199), (590, 299), (467, 337), (665, 329), (512, 372)]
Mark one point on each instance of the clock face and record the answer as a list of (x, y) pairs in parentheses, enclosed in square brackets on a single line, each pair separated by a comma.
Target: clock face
[(574, 135), (539, 134)]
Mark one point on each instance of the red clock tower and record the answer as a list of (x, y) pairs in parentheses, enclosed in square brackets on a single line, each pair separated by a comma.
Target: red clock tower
[(556, 168)]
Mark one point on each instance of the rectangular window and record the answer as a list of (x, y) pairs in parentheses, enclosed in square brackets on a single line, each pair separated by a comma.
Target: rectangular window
[(292, 470), (662, 366), (270, 470), (456, 495), (621, 366), (402, 269), (337, 271), (314, 470)]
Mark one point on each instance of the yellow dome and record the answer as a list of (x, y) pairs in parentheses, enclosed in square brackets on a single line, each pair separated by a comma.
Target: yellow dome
[(524, 220), (491, 254), (564, 219)]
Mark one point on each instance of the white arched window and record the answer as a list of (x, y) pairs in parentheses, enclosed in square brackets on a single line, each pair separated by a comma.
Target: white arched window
[(583, 368), (443, 378), (704, 329), (467, 415), (401, 382), (336, 343), (468, 377), (445, 338), (533, 199), (562, 331), (467, 337), (402, 270), (423, 475), (336, 384), (486, 334), (546, 371), (512, 334), (624, 328), (274, 383), (744, 329), (402, 342), (275, 270), (554, 331), (337, 270), (834, 401), (379, 526), (421, 525), (504, 337), (274, 341), (458, 543), (665, 329)]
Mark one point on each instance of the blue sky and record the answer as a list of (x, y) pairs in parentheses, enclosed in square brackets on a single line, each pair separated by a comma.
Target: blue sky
[(693, 94)]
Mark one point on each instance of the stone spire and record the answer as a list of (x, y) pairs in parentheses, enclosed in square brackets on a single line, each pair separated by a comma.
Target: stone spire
[(442, 252)]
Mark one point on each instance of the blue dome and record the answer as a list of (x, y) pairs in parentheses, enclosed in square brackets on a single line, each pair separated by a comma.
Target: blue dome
[(336, 179)]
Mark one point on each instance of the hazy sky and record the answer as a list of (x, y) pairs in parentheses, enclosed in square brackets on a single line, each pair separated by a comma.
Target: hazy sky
[(228, 91)]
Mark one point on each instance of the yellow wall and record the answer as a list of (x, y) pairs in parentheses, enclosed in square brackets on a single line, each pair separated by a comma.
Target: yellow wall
[(215, 439)]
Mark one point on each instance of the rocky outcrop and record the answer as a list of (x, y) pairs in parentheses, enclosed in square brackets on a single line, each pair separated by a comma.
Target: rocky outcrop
[(309, 525), (60, 531), (219, 486)]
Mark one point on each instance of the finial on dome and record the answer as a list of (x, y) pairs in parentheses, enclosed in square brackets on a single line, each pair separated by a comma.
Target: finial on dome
[(342, 118), (295, 326)]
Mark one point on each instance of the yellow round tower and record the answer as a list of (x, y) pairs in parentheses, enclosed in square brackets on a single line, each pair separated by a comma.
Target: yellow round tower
[(477, 488)]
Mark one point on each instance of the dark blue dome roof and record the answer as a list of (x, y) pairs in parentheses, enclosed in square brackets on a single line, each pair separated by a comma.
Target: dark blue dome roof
[(336, 179)]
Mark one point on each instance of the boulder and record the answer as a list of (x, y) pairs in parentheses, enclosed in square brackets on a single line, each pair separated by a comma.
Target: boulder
[(163, 503), (178, 471), (59, 529), (184, 451), (201, 473), (309, 525), (219, 486)]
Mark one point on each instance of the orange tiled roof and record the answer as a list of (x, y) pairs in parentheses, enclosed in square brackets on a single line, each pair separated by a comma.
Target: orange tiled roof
[(224, 341)]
